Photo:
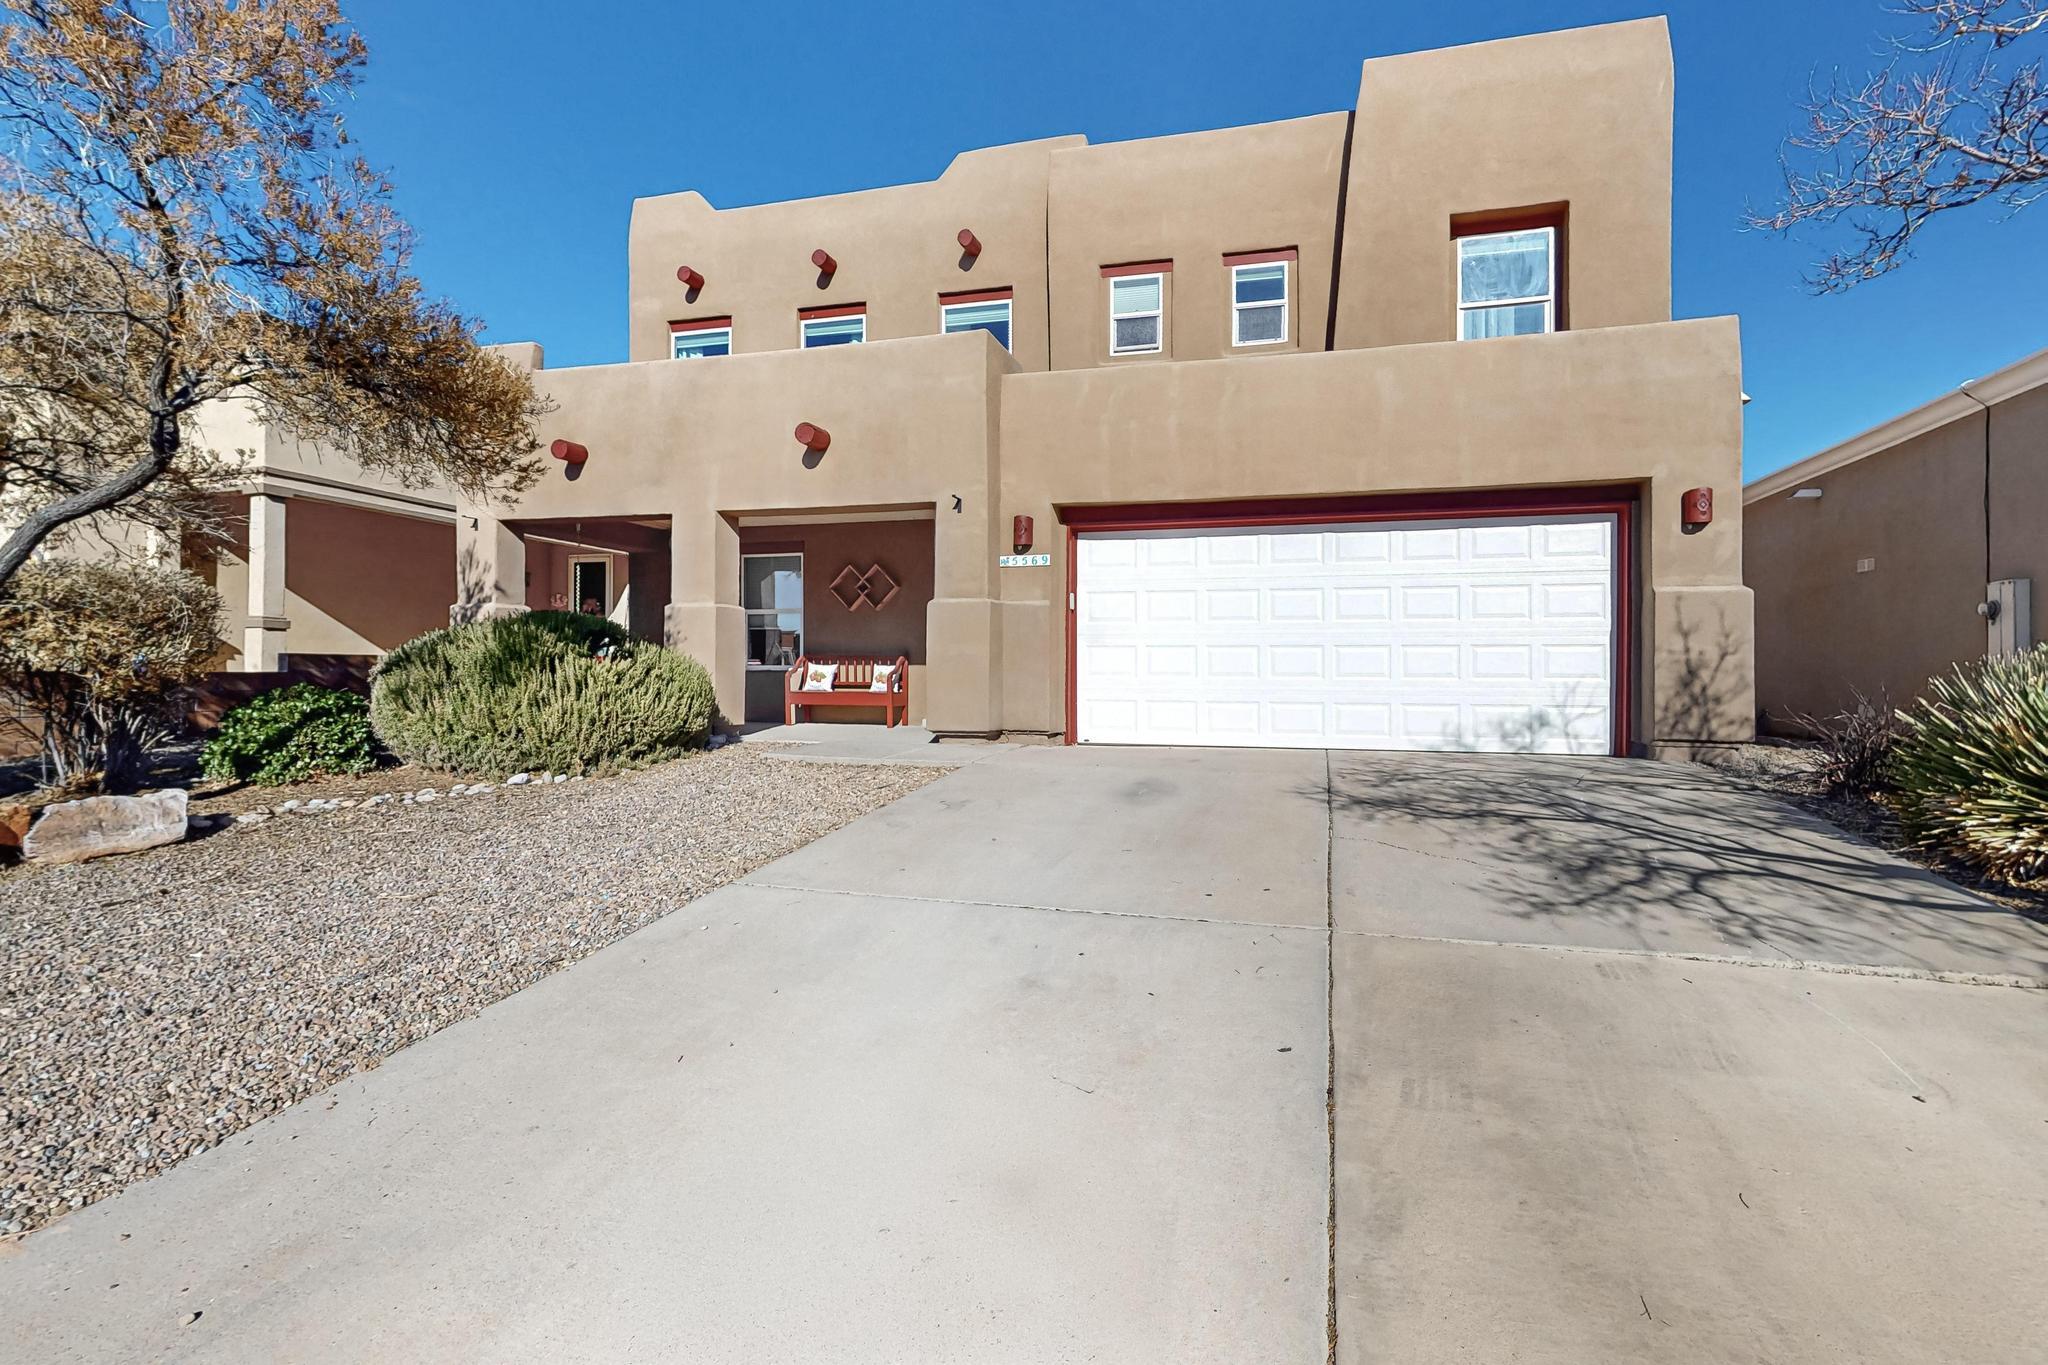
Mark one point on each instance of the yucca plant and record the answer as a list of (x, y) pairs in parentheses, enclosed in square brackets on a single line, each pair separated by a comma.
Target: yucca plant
[(1971, 771), (540, 691)]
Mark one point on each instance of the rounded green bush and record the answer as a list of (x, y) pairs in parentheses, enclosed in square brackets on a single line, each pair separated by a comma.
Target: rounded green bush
[(1971, 773), (292, 734), (541, 691)]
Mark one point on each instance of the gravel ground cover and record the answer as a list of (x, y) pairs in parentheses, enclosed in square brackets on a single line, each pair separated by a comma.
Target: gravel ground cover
[(153, 1005)]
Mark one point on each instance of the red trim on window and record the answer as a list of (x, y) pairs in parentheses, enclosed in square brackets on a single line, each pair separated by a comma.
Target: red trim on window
[(1110, 272), (700, 324), (977, 296), (1618, 501), (839, 310), (1260, 257)]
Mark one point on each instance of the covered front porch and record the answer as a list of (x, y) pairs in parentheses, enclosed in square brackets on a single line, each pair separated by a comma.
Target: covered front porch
[(852, 584)]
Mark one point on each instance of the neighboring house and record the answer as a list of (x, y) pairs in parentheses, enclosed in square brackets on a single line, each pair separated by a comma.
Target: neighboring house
[(1370, 429), (1875, 561), (322, 562)]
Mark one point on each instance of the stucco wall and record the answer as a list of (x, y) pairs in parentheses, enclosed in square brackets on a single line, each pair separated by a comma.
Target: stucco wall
[(1190, 199), (896, 249), (1918, 510), (356, 582), (1581, 117)]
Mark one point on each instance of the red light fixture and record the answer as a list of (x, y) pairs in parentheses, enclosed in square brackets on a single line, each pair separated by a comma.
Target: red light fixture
[(1020, 534), (969, 243), (1696, 507), (822, 259), (569, 452), (690, 278), (812, 436)]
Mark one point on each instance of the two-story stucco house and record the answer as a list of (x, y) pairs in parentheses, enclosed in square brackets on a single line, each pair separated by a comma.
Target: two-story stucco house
[(1371, 429)]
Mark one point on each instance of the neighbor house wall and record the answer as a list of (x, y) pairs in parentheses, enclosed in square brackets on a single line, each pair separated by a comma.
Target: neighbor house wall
[(356, 582), (1918, 510)]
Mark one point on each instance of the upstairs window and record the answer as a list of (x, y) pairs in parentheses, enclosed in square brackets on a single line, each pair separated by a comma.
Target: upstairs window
[(1258, 297), (1507, 283), (988, 312), (835, 326), (694, 340), (1137, 312)]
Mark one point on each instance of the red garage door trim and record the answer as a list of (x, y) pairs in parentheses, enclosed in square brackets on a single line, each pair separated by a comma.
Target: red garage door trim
[(1618, 501)]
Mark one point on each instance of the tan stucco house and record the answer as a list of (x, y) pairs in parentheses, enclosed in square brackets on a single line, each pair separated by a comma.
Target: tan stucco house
[(1368, 429), (1903, 551)]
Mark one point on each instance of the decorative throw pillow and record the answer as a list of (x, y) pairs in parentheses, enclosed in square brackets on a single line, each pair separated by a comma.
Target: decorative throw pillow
[(885, 678), (819, 677)]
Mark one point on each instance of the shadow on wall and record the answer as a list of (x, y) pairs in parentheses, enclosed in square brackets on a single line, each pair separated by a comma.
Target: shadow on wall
[(1711, 686), (472, 587), (1649, 848)]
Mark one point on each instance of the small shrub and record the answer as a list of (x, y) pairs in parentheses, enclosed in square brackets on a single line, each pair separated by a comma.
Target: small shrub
[(95, 653), (1971, 770), (291, 734), (1856, 745), (553, 691)]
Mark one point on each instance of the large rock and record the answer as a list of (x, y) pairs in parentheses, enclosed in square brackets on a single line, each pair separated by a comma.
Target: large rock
[(72, 831)]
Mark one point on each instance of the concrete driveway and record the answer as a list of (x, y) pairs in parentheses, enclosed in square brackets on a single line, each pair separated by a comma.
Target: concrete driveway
[(1032, 1066)]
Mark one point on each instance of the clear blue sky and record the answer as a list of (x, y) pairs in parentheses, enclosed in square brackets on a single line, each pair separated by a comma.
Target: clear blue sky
[(518, 135)]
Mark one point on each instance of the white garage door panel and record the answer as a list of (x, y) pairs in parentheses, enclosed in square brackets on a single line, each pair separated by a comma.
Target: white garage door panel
[(1488, 634)]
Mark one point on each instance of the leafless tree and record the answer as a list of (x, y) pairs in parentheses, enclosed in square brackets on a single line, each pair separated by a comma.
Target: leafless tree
[(182, 221), (1957, 116)]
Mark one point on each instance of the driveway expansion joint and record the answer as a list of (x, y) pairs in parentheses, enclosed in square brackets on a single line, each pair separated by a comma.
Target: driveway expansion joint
[(964, 903)]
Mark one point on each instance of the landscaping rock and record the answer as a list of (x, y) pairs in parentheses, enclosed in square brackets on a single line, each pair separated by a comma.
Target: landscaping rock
[(14, 822), (97, 826), (518, 779)]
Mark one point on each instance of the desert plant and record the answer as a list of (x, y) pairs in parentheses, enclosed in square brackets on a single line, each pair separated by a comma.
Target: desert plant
[(1971, 770), (555, 691), (291, 734), (94, 653), (1856, 745)]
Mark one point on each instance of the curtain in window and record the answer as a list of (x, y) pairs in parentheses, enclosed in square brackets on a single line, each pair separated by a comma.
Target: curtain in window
[(835, 331), (1508, 265)]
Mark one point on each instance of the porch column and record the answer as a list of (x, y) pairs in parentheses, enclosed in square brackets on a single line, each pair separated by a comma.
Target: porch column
[(704, 619), (263, 642), (490, 568), (963, 635)]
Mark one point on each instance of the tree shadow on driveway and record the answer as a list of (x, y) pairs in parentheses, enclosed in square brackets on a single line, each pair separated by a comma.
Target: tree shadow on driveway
[(1628, 854)]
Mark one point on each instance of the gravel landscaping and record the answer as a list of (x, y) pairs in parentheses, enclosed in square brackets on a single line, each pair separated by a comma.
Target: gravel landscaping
[(153, 1005)]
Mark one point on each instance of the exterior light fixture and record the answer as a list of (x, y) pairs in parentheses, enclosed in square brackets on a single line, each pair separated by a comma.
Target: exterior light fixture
[(1696, 507), (812, 436), (690, 278), (1020, 533), (822, 259), (1807, 493), (969, 243), (569, 452)]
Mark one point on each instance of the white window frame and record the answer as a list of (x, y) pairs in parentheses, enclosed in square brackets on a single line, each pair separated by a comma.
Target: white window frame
[(1159, 344), (608, 601), (1548, 299), (804, 330), (696, 333), (749, 613), (1286, 303), (1009, 316)]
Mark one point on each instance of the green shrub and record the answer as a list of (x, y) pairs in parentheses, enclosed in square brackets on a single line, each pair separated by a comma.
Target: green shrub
[(291, 734), (1971, 772), (540, 691)]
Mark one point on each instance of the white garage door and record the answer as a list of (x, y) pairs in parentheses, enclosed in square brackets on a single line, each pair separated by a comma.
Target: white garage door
[(1483, 634)]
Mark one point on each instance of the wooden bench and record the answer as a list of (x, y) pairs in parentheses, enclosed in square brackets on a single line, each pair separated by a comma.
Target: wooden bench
[(853, 685)]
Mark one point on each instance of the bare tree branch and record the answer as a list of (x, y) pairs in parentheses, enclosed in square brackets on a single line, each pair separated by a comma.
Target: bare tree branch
[(1954, 119), (183, 221)]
